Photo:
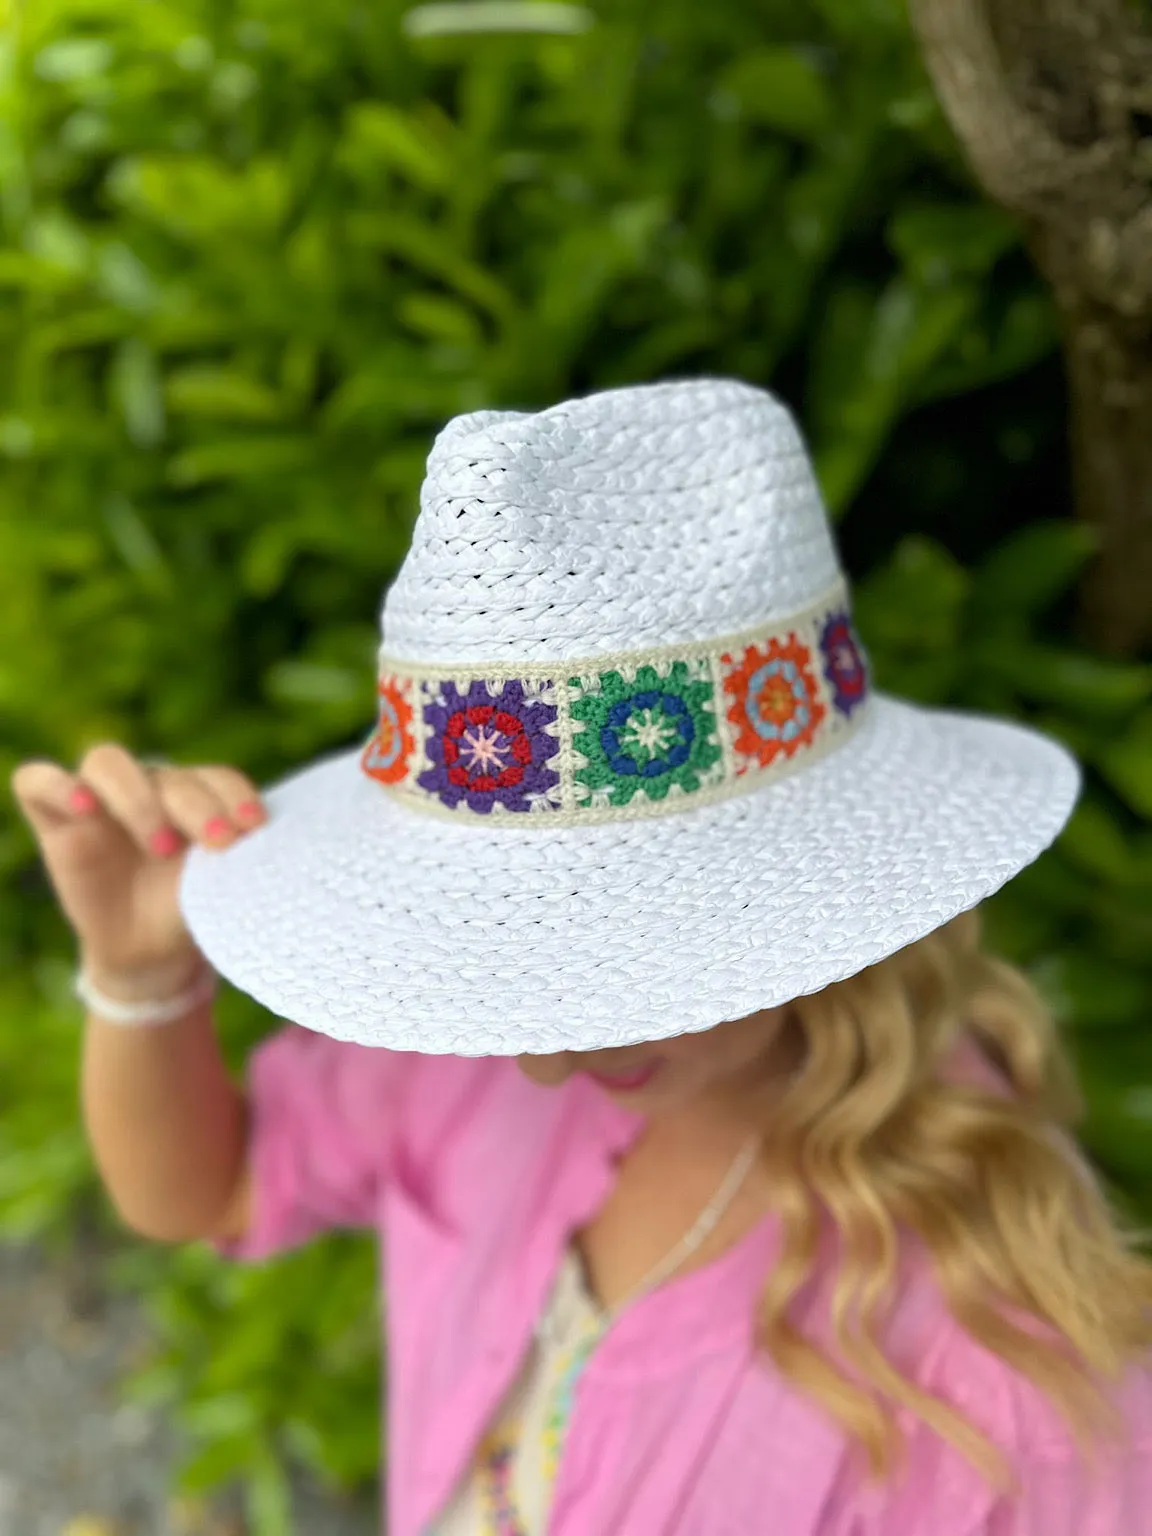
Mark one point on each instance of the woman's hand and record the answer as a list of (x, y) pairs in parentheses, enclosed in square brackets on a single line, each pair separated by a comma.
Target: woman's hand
[(113, 837)]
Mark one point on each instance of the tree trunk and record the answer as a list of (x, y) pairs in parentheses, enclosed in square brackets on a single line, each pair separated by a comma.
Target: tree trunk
[(1052, 103), (1110, 387)]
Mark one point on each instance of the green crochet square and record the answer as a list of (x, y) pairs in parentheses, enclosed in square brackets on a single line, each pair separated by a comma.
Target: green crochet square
[(645, 735)]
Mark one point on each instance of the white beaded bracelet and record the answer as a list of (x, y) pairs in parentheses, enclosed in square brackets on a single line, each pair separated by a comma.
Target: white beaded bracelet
[(165, 1011)]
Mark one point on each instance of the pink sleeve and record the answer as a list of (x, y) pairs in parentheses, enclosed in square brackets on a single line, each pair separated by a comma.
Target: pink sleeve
[(1062, 1494), (323, 1117), (1059, 1496)]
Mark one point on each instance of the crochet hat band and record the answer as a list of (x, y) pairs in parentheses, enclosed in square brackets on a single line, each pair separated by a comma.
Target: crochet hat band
[(624, 734)]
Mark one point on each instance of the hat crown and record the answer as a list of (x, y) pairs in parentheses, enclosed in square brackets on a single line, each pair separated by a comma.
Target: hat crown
[(636, 517)]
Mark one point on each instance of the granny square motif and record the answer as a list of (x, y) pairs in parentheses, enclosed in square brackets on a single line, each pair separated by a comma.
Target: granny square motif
[(623, 735)]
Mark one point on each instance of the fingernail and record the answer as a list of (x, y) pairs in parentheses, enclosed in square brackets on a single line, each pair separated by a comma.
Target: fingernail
[(165, 841), (216, 828), (250, 810), (82, 799)]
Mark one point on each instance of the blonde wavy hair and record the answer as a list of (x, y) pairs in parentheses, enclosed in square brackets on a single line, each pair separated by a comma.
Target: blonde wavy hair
[(872, 1139)]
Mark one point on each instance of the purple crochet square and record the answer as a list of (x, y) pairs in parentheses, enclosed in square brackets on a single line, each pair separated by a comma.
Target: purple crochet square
[(486, 748), (844, 664)]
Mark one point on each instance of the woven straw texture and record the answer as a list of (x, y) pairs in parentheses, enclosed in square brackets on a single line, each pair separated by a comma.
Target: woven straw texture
[(631, 518), (637, 517)]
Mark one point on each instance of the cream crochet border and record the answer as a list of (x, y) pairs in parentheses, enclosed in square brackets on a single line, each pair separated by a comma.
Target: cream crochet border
[(833, 732)]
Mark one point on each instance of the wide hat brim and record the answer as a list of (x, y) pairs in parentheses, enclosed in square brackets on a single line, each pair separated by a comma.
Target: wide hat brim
[(366, 920)]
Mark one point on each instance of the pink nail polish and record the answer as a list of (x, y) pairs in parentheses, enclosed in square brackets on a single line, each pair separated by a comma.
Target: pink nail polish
[(216, 828), (250, 810), (82, 799), (165, 841)]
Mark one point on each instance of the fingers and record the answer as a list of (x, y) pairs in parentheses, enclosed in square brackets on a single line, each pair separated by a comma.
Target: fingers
[(211, 804), (43, 790), (158, 809), (125, 789), (238, 795)]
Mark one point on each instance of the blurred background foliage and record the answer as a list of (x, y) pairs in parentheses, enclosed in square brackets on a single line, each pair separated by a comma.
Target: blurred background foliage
[(253, 253)]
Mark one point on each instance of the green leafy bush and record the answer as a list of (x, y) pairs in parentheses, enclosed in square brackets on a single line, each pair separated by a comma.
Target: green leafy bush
[(253, 253)]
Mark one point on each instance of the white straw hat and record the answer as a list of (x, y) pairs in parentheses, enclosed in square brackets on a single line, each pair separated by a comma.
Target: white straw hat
[(628, 777)]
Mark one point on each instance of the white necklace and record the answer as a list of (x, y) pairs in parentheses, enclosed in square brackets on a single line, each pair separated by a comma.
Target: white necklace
[(704, 1224)]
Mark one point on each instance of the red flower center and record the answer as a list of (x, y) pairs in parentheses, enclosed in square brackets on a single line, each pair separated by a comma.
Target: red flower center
[(478, 743)]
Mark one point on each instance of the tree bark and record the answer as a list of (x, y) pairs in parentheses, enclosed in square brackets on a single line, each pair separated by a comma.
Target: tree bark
[(1052, 102)]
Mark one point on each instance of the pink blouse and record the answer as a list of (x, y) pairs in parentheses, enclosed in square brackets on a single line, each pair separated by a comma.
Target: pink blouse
[(475, 1178)]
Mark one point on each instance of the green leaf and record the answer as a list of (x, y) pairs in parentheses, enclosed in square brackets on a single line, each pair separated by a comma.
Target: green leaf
[(585, 266), (1016, 928), (1119, 1125), (18, 437), (1088, 685), (426, 249), (939, 242), (137, 544), (869, 358), (223, 394), (382, 394), (225, 1415), (870, 22), (1001, 342), (59, 241), (194, 198), (215, 1464), (1127, 764), (1028, 571), (1096, 843), (240, 458), (916, 599), (305, 682), (471, 18), (134, 384), (19, 270), (73, 58), (124, 278), (81, 328), (782, 88), (439, 318), (268, 1500), (910, 613), (384, 134), (1089, 991)]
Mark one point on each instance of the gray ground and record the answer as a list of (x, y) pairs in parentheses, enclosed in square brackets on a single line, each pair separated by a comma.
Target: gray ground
[(74, 1463)]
